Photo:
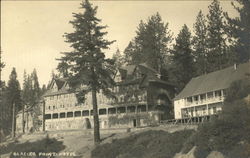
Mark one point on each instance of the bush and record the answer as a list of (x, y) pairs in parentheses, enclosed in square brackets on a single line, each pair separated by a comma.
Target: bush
[(156, 144)]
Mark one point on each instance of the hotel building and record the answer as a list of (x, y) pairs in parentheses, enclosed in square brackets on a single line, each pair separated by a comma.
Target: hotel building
[(204, 95), (142, 98)]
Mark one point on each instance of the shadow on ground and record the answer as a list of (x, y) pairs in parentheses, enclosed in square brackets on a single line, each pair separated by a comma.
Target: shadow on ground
[(45, 145)]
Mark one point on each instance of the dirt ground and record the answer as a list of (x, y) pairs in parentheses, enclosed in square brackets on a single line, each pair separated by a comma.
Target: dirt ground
[(82, 143)]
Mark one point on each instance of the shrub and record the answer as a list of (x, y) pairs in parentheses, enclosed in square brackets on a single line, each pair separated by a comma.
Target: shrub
[(156, 144)]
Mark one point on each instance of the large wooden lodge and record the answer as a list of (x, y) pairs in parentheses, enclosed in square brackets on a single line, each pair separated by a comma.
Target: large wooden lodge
[(142, 98)]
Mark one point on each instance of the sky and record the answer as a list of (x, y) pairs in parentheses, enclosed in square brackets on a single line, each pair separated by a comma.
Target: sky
[(32, 31)]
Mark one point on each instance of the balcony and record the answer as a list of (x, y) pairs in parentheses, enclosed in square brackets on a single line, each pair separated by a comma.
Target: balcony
[(205, 101)]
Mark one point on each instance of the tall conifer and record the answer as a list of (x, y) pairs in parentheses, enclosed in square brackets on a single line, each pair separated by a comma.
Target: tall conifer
[(13, 97), (151, 43), (200, 44), (87, 62), (239, 30), (183, 62), (219, 55)]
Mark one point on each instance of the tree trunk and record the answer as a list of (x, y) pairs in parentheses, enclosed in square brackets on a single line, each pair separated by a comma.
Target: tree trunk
[(96, 118), (13, 121), (44, 115), (27, 121), (23, 125)]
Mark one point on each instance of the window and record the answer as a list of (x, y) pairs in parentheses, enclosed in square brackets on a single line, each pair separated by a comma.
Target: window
[(210, 95), (196, 98), (85, 113), (102, 112), (47, 116), (121, 110), (69, 114), (131, 109), (77, 113), (189, 100), (62, 115), (218, 93), (141, 108), (55, 116), (112, 110), (202, 97)]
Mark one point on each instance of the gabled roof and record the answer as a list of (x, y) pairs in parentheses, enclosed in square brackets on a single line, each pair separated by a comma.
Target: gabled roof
[(213, 81), (61, 85)]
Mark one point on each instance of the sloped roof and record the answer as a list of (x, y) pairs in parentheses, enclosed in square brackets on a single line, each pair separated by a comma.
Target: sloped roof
[(129, 69), (61, 83), (213, 81)]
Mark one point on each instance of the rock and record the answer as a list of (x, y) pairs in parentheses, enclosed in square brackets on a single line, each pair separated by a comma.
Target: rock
[(215, 154), (190, 154)]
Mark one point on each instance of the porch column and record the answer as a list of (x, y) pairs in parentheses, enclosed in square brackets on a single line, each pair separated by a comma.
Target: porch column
[(207, 109)]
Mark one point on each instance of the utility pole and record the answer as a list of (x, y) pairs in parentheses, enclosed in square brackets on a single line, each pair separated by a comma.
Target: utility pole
[(43, 115), (23, 124), (13, 121)]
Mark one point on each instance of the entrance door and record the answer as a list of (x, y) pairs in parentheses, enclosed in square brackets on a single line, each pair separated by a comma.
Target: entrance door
[(134, 122)]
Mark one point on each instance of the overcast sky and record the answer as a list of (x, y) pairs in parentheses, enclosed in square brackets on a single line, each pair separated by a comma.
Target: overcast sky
[(31, 31)]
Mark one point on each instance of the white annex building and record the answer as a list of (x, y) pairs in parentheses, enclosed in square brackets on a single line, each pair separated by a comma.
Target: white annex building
[(204, 95)]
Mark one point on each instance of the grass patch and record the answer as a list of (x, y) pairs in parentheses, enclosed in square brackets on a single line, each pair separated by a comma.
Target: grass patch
[(156, 144)]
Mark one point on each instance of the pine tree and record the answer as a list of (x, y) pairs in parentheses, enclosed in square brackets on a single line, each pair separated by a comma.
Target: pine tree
[(13, 97), (239, 30), (151, 43), (44, 89), (25, 96), (2, 109), (87, 61), (130, 55), (200, 44), (219, 55), (63, 67), (35, 88), (183, 64), (118, 59)]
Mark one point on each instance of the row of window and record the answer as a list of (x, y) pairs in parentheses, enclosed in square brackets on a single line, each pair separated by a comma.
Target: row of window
[(121, 99), (201, 110), (61, 106), (60, 96), (208, 95), (119, 110)]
